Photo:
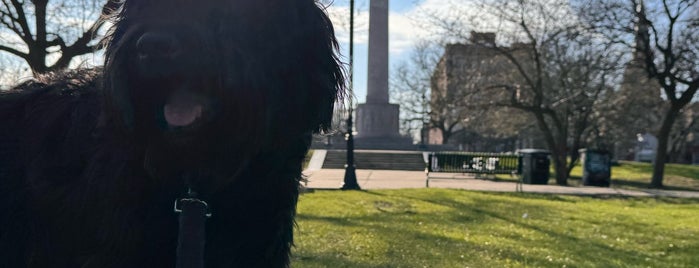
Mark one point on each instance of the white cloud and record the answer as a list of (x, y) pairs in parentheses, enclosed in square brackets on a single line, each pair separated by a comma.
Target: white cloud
[(414, 24), (340, 18), (404, 32), (453, 21)]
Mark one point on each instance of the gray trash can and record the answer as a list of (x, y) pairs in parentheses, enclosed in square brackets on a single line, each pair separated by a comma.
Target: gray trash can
[(597, 167), (534, 166)]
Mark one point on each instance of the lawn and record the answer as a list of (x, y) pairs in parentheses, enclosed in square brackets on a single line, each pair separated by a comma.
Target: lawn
[(636, 175), (455, 228)]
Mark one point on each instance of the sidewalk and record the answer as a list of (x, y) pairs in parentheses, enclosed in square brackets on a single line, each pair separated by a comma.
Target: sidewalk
[(396, 179)]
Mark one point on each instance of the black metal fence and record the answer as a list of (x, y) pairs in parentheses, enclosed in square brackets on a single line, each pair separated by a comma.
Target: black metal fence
[(478, 163)]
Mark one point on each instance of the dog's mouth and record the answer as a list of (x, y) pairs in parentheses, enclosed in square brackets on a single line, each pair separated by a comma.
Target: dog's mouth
[(183, 108), (183, 111)]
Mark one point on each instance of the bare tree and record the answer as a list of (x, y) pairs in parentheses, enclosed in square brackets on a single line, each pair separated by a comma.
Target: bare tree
[(558, 71), (443, 94), (456, 101), (430, 100), (47, 35), (686, 124), (410, 86), (666, 34)]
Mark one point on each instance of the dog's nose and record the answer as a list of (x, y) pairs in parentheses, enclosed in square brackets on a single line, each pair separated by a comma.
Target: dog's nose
[(157, 45)]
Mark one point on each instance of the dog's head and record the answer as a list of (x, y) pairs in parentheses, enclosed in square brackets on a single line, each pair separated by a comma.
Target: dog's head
[(245, 72)]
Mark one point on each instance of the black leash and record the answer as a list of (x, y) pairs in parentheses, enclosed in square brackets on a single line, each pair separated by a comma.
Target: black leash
[(192, 234)]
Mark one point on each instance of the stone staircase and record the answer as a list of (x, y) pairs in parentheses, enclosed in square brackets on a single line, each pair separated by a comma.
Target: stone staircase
[(376, 159)]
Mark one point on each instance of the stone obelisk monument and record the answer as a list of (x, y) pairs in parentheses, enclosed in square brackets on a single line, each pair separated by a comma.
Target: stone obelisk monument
[(377, 119)]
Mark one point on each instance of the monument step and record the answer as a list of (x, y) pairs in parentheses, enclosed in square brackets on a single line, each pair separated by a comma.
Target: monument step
[(338, 142), (375, 159)]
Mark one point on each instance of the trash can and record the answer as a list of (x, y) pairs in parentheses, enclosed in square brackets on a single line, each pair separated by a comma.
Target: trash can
[(534, 164), (597, 167)]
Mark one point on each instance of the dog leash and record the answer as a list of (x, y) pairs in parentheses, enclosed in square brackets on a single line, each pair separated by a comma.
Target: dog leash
[(192, 231)]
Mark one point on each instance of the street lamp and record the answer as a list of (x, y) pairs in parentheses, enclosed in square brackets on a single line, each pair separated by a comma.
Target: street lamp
[(350, 181), (423, 129)]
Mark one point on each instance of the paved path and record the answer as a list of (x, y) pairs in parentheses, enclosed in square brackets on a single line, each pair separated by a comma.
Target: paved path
[(394, 179)]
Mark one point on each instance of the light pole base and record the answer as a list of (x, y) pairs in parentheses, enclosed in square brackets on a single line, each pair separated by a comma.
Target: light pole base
[(350, 182)]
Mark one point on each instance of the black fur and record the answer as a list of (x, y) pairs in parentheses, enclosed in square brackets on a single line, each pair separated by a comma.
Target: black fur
[(89, 167)]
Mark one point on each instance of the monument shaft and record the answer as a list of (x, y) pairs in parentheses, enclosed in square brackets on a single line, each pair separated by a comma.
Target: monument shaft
[(377, 119), (377, 87)]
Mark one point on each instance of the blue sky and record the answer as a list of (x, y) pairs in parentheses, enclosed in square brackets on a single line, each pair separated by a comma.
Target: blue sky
[(403, 33)]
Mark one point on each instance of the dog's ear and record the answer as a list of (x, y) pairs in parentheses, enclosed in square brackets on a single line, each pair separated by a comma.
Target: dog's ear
[(327, 74), (117, 102)]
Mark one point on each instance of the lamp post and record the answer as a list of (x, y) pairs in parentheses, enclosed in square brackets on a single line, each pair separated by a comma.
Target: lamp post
[(350, 181), (423, 129)]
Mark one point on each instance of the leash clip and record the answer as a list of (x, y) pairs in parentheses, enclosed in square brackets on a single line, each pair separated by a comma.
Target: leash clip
[(177, 208)]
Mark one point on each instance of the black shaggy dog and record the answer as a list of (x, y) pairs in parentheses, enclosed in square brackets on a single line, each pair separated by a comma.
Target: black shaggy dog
[(217, 96)]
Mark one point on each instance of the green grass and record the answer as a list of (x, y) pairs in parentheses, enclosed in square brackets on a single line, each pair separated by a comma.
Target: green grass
[(636, 175), (677, 176), (455, 228)]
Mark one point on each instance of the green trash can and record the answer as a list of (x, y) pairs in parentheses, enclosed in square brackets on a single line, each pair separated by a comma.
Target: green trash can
[(534, 164), (597, 167)]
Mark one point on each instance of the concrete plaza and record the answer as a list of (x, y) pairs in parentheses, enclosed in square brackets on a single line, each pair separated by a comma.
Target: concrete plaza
[(395, 179)]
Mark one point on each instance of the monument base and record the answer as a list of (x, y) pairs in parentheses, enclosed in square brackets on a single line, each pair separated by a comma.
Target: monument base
[(338, 142), (377, 120), (378, 127), (386, 143)]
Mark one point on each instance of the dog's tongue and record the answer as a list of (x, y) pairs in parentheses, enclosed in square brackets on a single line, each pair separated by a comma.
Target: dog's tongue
[(181, 109)]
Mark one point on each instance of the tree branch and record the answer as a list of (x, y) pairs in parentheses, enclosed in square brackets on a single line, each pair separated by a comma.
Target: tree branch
[(14, 52), (24, 31), (81, 45)]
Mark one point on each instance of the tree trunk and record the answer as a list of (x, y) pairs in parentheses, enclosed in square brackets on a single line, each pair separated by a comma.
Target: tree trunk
[(663, 140), (37, 50), (574, 155), (445, 136), (559, 156), (558, 151)]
